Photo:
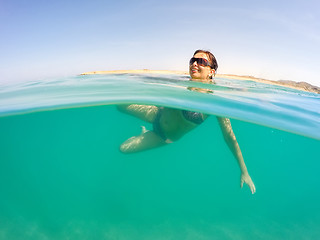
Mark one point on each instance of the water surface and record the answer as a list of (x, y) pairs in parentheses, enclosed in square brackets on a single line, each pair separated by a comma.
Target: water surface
[(63, 177)]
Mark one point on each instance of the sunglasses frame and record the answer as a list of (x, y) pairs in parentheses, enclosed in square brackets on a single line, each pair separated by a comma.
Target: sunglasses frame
[(200, 61)]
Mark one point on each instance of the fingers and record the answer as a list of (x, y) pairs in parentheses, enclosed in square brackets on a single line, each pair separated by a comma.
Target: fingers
[(249, 182), (253, 188)]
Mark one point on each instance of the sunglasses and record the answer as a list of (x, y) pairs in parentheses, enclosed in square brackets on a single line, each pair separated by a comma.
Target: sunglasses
[(201, 62)]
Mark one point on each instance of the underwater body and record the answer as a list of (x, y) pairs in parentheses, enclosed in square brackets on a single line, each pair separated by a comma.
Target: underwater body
[(62, 175)]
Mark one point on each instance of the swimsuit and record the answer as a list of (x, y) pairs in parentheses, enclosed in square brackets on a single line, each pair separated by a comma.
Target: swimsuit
[(194, 117), (156, 124)]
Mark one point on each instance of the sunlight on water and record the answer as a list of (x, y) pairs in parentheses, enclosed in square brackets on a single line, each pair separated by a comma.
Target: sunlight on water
[(62, 175)]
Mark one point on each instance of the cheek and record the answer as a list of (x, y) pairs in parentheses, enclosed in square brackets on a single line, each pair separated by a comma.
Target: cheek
[(204, 71)]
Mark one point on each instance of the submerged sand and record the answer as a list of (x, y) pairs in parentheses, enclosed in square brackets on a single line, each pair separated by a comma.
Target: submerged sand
[(291, 84)]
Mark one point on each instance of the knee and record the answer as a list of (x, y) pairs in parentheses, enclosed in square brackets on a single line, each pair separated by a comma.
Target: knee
[(126, 148), (123, 148)]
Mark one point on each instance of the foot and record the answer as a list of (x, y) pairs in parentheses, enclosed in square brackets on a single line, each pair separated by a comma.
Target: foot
[(144, 130)]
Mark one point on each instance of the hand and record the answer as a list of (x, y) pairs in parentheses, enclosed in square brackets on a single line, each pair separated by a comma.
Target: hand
[(245, 178)]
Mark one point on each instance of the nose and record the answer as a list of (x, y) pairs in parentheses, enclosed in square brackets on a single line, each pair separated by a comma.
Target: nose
[(195, 63)]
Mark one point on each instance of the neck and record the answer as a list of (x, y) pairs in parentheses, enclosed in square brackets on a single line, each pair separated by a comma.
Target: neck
[(206, 80)]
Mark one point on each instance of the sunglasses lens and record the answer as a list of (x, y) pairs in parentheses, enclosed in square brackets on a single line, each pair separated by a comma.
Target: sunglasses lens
[(203, 62)]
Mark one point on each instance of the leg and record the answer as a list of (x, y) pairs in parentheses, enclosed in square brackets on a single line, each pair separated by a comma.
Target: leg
[(146, 140), (144, 112)]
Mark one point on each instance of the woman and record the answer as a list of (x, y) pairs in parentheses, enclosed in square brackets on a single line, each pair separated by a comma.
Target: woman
[(170, 125)]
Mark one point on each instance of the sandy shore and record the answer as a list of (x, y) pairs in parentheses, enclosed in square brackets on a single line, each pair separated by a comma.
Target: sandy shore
[(136, 71), (291, 84)]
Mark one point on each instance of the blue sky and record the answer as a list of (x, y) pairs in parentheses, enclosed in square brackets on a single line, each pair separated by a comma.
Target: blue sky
[(275, 39)]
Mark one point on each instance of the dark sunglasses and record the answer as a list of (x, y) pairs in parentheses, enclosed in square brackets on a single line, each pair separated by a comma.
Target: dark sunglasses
[(201, 62)]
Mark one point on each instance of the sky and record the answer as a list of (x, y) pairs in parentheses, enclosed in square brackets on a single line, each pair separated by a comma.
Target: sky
[(274, 39)]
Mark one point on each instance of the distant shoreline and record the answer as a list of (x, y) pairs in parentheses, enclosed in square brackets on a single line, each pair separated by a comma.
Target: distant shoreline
[(290, 84)]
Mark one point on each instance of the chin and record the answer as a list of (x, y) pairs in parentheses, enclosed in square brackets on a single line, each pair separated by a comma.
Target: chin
[(195, 76)]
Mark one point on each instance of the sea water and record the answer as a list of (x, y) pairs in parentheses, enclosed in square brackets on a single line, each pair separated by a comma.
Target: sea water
[(62, 175)]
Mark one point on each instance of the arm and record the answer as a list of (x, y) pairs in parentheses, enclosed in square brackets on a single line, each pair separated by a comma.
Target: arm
[(233, 145)]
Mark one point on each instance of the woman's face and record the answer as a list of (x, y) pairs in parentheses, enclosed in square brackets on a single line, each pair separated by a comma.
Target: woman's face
[(198, 72)]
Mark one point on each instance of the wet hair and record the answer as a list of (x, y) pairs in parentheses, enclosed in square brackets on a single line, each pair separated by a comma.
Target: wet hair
[(211, 57)]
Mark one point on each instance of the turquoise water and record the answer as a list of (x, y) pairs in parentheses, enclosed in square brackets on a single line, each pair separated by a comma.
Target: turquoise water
[(63, 177)]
